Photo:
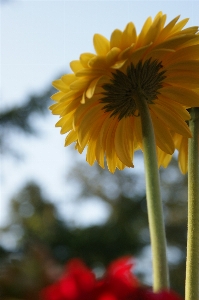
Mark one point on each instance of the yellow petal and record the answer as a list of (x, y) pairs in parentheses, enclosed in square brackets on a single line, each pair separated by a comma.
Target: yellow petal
[(71, 106), (91, 89), (68, 78), (188, 53), (175, 107), (60, 85), (153, 31), (66, 127), (85, 129), (90, 155), (138, 130), (193, 41), (119, 64), (166, 31), (163, 137), (101, 44), (185, 65), (101, 138), (119, 164), (70, 96), (82, 110), (129, 35), (175, 42), (60, 122), (78, 148), (183, 155), (58, 108), (181, 95), (85, 58), (171, 119), (98, 62), (179, 25), (65, 123), (190, 30), (93, 143), (126, 53), (116, 39), (76, 65), (57, 96), (141, 36), (80, 84), (111, 157), (163, 158), (130, 133), (158, 54), (101, 141), (186, 79), (158, 16), (138, 54), (71, 137), (83, 100), (162, 17), (111, 57), (103, 132), (122, 143), (90, 72)]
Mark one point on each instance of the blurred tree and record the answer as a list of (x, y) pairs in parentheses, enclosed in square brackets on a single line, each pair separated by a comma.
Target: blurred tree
[(19, 119), (35, 227), (46, 242), (43, 239)]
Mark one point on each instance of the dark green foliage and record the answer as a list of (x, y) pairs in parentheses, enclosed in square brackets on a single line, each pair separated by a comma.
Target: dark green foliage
[(18, 118), (45, 237)]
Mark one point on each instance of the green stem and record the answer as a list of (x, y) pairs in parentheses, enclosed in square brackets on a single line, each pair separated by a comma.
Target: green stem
[(154, 204), (192, 264)]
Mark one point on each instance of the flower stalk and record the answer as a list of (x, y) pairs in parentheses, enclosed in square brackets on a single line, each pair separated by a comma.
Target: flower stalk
[(154, 205), (192, 264)]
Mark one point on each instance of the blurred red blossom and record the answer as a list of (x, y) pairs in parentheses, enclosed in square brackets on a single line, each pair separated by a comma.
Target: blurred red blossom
[(79, 283)]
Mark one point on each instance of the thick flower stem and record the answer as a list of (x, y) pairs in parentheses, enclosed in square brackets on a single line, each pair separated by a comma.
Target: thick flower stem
[(154, 204), (192, 265)]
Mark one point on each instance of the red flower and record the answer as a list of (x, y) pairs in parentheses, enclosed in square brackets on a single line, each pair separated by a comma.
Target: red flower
[(76, 282), (79, 283), (118, 282), (121, 270)]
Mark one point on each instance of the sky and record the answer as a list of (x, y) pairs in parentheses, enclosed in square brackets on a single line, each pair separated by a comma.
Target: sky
[(38, 41)]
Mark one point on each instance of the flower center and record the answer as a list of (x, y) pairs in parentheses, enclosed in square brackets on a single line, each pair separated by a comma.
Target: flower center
[(120, 93)]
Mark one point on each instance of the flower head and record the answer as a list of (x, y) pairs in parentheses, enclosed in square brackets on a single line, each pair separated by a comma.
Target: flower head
[(75, 284), (79, 283), (118, 283), (97, 102)]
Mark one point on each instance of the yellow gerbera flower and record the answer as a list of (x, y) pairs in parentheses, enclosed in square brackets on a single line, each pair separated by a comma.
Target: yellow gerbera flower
[(97, 103)]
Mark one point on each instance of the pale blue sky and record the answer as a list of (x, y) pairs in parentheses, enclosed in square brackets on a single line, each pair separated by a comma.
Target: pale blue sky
[(38, 40)]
